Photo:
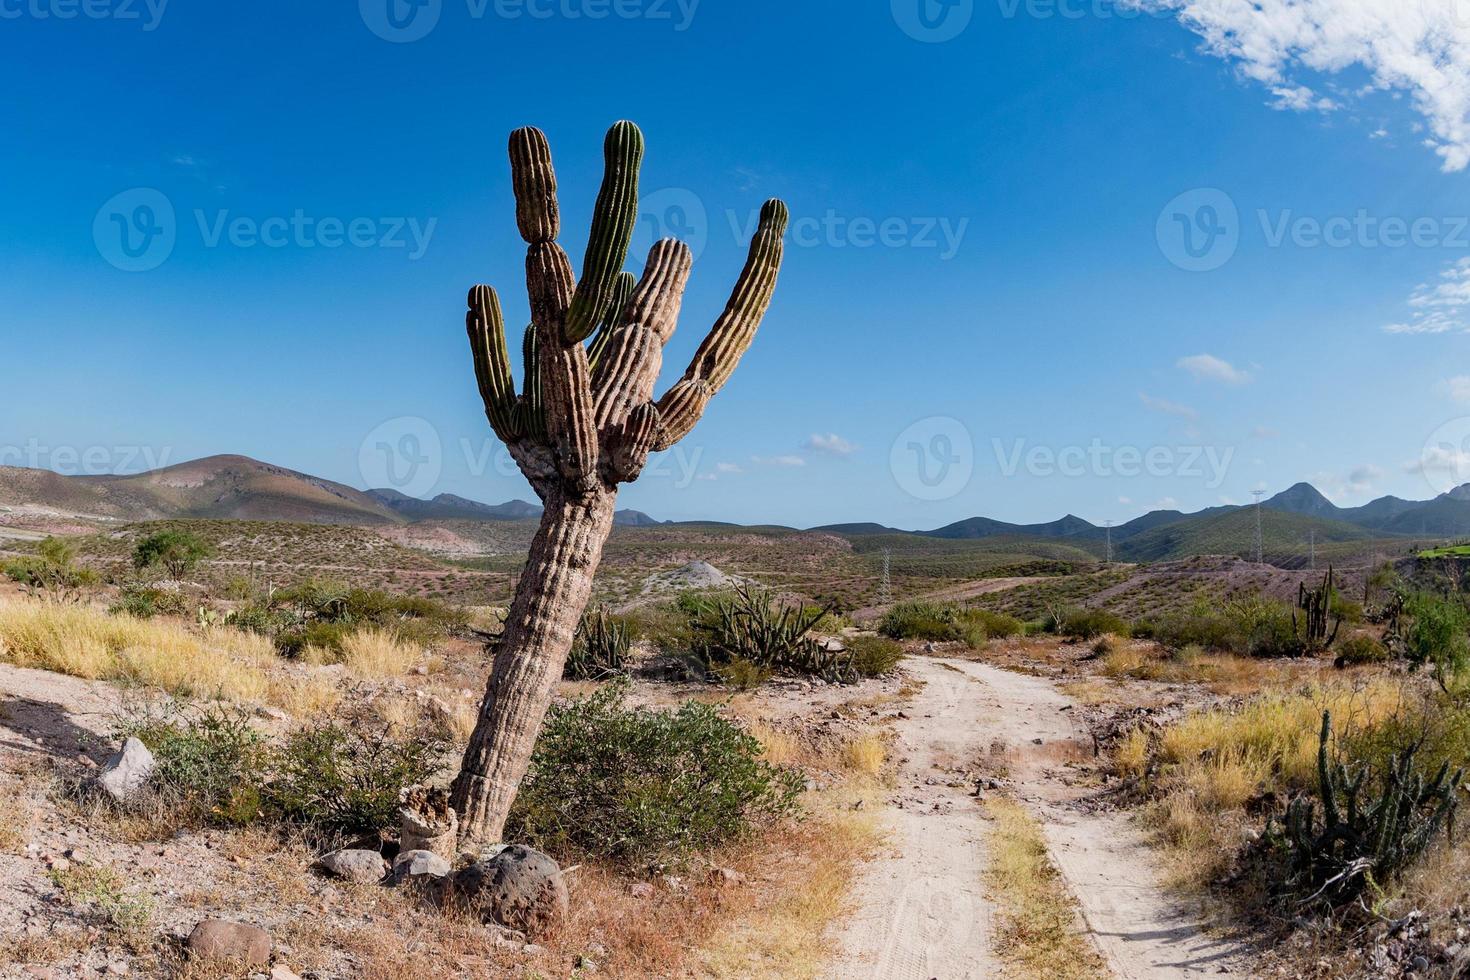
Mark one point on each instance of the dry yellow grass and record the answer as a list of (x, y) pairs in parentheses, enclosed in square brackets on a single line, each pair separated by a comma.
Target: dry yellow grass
[(782, 934), (1039, 933), (305, 697), (378, 653), (17, 813), (89, 643), (865, 755)]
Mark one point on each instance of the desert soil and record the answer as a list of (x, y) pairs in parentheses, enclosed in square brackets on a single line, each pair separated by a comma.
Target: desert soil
[(921, 908)]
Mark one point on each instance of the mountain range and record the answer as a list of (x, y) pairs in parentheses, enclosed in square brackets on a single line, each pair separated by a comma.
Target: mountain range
[(240, 488)]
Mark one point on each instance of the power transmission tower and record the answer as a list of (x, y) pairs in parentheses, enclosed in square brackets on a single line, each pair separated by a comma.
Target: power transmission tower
[(885, 590), (1260, 535), (1109, 526)]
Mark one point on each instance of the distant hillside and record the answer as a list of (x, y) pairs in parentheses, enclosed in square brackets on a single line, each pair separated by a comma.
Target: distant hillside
[(1233, 532), (219, 487), (448, 507)]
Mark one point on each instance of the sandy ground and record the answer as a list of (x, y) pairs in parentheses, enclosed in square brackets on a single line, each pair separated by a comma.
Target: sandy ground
[(921, 909), (954, 593)]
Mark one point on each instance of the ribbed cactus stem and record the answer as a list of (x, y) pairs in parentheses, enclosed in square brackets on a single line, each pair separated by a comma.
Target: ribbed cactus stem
[(629, 367), (532, 409), (630, 448), (537, 213), (715, 361), (486, 327), (613, 221), (613, 318)]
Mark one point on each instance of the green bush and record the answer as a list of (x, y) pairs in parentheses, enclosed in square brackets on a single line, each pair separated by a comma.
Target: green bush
[(53, 572), (751, 625), (145, 602), (620, 782), (1249, 627), (212, 765), (920, 621), (1436, 634), (1361, 648), (327, 636), (343, 779), (874, 656), (1085, 624), (177, 552)]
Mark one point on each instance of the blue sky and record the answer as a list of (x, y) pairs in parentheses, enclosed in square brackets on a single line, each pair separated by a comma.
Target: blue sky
[(989, 304)]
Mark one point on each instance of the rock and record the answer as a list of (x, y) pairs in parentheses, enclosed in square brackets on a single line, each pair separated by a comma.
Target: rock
[(419, 864), (216, 939), (428, 822), (722, 877), (367, 867), (640, 889), (1419, 965), (282, 973), (519, 887), (128, 771)]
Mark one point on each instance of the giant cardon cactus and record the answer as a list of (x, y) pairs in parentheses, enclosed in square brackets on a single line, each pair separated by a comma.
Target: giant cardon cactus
[(584, 422)]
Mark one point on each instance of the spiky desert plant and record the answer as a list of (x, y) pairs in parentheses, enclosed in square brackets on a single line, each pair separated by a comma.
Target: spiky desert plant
[(584, 423), (1316, 606)]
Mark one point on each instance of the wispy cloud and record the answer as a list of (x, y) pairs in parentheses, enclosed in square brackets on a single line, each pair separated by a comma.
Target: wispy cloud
[(728, 468), (1417, 47), (784, 461), (830, 444), (1165, 407), (1439, 306), (1208, 367)]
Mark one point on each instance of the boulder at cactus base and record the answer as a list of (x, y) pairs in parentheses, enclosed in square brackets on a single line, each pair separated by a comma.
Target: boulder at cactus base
[(517, 887), (230, 942)]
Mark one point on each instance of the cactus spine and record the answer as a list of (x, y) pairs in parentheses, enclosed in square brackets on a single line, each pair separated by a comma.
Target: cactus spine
[(584, 423)]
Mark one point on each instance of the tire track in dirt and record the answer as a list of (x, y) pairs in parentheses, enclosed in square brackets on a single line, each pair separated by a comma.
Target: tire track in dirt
[(922, 907)]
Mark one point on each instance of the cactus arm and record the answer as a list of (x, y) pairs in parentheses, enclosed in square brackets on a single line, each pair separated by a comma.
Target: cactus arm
[(629, 450), (683, 405), (565, 379), (629, 366), (485, 325), (627, 282), (612, 231)]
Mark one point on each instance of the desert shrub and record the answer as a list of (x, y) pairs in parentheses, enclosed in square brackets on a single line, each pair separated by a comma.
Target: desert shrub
[(997, 626), (665, 625), (329, 637), (212, 765), (53, 572), (346, 779), (600, 648), (1361, 648), (634, 783), (1436, 634), (920, 621), (1085, 624), (1271, 631), (240, 588), (145, 602), (742, 675), (1370, 827), (1253, 627), (255, 617), (874, 656), (176, 551), (1346, 610)]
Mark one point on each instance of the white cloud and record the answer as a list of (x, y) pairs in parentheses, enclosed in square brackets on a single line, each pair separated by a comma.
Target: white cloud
[(1439, 306), (1207, 367), (1420, 48), (1166, 503), (787, 461), (1165, 407), (1125, 501), (1441, 459), (727, 468), (830, 444)]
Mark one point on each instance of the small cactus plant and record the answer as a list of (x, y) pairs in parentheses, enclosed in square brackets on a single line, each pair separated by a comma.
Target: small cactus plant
[(1316, 606), (750, 626), (1357, 837), (585, 422), (600, 650)]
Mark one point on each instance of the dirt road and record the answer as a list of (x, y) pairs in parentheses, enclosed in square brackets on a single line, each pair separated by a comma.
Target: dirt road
[(921, 907), (953, 593)]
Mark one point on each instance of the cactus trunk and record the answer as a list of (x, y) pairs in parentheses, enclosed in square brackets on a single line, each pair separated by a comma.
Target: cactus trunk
[(550, 599)]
